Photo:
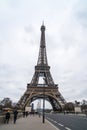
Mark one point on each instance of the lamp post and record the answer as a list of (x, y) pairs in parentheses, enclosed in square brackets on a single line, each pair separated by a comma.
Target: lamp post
[(44, 101)]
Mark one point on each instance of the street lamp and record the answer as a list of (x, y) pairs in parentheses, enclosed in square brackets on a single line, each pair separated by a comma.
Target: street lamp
[(43, 101)]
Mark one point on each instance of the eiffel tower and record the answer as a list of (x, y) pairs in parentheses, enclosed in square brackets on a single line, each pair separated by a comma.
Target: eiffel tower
[(36, 90)]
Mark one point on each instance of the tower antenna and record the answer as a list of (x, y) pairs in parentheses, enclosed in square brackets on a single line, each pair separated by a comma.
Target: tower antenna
[(43, 23)]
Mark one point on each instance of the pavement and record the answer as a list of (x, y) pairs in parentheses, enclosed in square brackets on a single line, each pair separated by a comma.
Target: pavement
[(29, 123)]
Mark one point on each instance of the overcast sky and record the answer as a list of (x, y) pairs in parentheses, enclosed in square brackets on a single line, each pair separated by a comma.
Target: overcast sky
[(66, 42)]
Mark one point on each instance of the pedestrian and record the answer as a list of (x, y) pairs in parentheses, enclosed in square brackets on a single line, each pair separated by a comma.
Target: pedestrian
[(15, 115), (26, 113), (7, 117), (39, 114), (23, 113), (86, 112)]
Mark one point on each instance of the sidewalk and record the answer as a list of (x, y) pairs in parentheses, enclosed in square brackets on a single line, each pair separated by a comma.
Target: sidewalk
[(29, 123)]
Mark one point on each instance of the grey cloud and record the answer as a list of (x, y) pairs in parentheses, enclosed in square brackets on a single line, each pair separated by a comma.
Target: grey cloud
[(65, 39), (81, 13), (29, 29)]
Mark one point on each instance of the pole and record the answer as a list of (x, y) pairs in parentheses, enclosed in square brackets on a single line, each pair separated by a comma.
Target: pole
[(43, 102)]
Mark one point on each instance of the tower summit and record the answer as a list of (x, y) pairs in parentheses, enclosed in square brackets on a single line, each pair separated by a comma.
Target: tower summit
[(35, 89), (42, 59)]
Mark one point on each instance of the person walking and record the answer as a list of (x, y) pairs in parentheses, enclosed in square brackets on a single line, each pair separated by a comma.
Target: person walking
[(15, 115), (26, 113), (7, 117), (23, 113)]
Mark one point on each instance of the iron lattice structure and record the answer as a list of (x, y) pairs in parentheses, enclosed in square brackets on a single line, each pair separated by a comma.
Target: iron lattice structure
[(35, 89)]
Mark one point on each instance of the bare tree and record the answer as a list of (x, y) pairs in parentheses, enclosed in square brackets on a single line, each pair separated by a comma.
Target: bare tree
[(6, 102), (69, 106)]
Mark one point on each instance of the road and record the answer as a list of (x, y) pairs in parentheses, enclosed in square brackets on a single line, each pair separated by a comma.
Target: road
[(68, 122)]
